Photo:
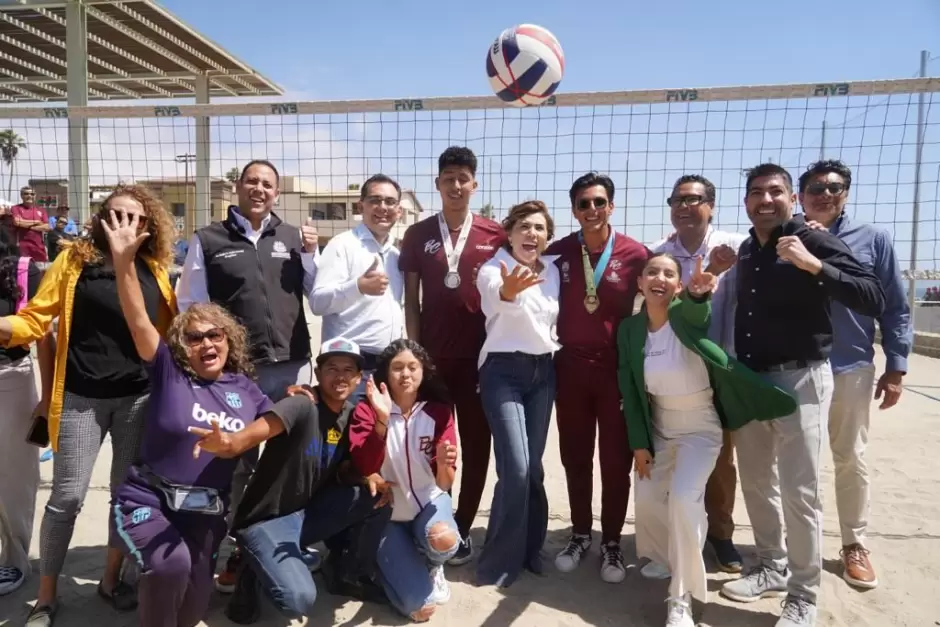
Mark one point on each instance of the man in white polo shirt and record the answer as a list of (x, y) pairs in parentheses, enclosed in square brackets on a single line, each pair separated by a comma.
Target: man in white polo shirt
[(692, 205), (358, 289)]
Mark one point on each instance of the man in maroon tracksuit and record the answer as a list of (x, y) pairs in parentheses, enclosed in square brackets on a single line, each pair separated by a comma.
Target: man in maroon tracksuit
[(440, 257), (599, 270)]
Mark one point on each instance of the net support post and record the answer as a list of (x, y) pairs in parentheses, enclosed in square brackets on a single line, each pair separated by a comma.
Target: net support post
[(203, 214), (76, 43), (915, 208)]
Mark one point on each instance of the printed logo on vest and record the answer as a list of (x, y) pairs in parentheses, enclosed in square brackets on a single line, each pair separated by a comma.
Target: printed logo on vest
[(280, 251), (432, 246), (233, 400), (226, 422)]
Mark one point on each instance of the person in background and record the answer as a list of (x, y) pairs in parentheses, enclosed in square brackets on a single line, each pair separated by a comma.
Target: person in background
[(680, 393), (824, 192), (55, 237), (785, 278), (358, 291), (62, 213), (303, 492), (402, 440), (19, 459), (100, 386), (259, 268), (599, 269), (440, 258), (31, 224), (692, 209), (7, 225), (519, 291)]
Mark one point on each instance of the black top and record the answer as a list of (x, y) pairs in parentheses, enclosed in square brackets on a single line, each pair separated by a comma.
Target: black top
[(296, 463), (53, 238), (102, 361), (8, 307), (783, 312), (262, 285)]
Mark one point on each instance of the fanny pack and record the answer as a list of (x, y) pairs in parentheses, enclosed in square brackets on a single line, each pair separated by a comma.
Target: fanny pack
[(185, 498)]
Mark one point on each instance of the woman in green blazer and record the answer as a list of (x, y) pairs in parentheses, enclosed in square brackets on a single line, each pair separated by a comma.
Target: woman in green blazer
[(679, 390)]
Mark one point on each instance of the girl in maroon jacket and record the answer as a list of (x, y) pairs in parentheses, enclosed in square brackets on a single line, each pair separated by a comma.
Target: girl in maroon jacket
[(402, 439)]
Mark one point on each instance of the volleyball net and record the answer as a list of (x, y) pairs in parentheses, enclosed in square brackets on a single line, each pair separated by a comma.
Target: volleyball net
[(644, 140)]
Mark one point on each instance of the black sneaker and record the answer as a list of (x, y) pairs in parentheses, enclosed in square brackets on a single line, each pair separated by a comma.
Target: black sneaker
[(464, 552), (244, 606), (613, 569), (729, 560)]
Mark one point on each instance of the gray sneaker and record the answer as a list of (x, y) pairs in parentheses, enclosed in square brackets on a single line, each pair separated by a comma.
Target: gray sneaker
[(760, 582), (797, 612)]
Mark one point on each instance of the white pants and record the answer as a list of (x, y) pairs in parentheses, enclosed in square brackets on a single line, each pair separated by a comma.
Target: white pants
[(670, 505), (19, 463), (849, 419), (778, 461)]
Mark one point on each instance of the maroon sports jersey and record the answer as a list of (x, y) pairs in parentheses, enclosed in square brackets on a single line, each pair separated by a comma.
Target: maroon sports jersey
[(452, 325), (593, 335)]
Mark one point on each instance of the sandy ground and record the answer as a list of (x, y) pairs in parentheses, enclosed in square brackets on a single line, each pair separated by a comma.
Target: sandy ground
[(904, 539)]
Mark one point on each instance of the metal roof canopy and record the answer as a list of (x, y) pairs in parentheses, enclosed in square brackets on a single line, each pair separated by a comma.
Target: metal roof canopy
[(135, 49)]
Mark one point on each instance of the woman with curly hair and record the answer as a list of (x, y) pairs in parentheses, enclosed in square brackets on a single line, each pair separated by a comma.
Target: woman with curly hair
[(402, 440), (99, 385), (169, 514)]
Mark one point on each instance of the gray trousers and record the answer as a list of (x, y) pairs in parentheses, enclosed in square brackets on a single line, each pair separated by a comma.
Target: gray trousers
[(82, 428), (273, 379), (19, 463), (778, 461)]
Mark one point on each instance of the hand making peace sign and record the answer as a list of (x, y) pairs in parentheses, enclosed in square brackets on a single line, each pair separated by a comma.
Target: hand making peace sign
[(701, 283)]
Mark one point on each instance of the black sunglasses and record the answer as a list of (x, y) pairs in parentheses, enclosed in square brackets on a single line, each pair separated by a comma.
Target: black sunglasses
[(215, 335), (598, 202), (816, 189)]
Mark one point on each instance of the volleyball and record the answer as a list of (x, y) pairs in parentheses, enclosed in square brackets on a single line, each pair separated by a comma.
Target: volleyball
[(525, 65)]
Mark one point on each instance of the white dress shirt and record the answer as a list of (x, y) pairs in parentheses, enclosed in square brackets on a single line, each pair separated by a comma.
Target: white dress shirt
[(192, 288), (373, 322), (527, 324), (713, 239)]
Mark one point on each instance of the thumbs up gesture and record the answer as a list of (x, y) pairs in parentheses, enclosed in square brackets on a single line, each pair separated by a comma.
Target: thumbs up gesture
[(374, 282), (701, 283), (308, 235)]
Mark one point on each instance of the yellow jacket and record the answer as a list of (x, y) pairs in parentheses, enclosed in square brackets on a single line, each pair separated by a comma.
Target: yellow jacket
[(55, 297)]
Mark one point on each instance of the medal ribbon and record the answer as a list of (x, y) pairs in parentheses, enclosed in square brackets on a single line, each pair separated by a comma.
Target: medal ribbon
[(453, 251), (592, 277)]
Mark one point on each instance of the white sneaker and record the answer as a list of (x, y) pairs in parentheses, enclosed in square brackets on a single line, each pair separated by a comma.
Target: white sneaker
[(11, 578), (654, 570), (679, 613), (440, 590), (569, 557), (613, 569)]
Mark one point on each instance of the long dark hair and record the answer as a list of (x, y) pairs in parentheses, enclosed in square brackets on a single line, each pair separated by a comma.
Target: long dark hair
[(9, 258), (432, 386)]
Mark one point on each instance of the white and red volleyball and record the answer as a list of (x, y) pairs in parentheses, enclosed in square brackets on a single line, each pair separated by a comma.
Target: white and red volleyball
[(525, 65)]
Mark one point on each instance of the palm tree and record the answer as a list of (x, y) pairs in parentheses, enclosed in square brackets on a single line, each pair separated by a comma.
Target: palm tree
[(487, 211), (10, 146), (232, 175)]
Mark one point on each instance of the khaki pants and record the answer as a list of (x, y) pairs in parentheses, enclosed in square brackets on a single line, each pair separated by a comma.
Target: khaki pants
[(19, 463), (849, 418)]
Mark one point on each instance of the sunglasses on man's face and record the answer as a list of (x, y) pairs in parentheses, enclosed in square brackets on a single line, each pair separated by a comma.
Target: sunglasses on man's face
[(817, 189), (598, 202), (195, 338)]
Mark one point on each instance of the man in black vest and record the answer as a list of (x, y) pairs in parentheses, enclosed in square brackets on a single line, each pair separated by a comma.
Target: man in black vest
[(259, 269)]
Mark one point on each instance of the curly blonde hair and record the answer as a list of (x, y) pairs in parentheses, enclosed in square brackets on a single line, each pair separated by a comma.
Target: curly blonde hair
[(236, 336), (158, 247)]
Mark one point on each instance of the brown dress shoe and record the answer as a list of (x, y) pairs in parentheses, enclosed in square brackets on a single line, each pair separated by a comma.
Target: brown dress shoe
[(858, 569)]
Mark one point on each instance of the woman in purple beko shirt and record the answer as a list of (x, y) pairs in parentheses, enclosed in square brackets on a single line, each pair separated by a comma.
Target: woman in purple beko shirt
[(169, 512)]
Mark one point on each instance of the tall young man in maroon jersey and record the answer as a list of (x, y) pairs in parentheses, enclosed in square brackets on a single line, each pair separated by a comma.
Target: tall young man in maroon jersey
[(599, 270), (440, 257)]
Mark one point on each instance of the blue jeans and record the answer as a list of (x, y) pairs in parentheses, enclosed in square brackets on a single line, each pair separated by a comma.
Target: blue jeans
[(405, 553), (517, 390), (275, 547)]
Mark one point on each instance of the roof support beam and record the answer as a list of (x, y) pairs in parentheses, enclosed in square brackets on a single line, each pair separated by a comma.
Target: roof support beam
[(76, 36)]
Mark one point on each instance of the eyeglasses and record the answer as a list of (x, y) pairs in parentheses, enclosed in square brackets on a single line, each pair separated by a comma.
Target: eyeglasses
[(375, 201), (215, 335), (598, 202), (816, 189), (689, 200)]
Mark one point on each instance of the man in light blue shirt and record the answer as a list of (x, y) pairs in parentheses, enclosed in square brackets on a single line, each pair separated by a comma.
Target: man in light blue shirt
[(824, 191), (62, 213)]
